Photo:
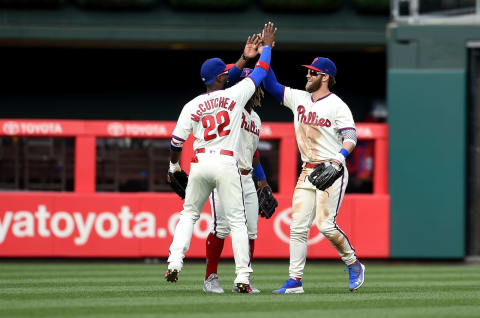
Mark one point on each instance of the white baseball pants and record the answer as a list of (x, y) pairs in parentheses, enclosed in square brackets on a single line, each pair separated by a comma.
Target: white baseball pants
[(213, 170), (310, 204), (219, 226)]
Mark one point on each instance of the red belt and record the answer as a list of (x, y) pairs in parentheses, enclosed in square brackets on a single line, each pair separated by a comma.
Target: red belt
[(245, 172), (309, 165), (222, 152)]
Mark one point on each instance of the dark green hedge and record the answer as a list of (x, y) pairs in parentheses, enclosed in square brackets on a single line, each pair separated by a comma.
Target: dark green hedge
[(314, 6), (210, 4), (372, 6), (116, 4), (31, 3)]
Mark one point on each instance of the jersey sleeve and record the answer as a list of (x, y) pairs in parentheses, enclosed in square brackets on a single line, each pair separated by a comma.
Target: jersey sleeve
[(242, 91), (344, 118), (272, 86), (184, 124), (289, 97)]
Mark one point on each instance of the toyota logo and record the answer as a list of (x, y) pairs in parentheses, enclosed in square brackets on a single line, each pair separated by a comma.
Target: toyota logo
[(116, 129), (281, 227), (11, 128)]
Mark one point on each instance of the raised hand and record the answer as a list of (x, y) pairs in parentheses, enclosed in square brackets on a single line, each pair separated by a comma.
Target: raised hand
[(251, 47), (268, 34), (260, 47)]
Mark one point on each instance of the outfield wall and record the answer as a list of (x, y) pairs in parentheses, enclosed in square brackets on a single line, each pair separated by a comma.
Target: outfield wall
[(428, 100), (86, 223)]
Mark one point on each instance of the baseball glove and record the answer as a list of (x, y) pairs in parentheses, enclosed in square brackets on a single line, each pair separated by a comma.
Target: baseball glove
[(325, 175), (266, 202), (178, 182)]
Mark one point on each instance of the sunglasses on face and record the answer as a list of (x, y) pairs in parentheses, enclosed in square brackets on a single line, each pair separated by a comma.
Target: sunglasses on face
[(314, 73)]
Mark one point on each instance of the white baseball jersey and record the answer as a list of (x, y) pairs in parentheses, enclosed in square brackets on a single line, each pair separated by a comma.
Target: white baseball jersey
[(250, 128), (318, 126), (318, 123), (215, 118), (251, 125)]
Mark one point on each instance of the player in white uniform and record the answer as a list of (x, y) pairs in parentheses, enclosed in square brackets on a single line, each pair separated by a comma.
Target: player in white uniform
[(249, 163), (324, 129), (215, 120)]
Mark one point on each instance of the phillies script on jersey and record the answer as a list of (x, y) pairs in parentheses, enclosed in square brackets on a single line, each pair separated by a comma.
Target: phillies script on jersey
[(250, 126), (312, 118)]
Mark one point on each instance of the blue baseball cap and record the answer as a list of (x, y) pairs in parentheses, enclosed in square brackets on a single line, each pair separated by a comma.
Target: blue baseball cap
[(246, 71), (324, 65), (211, 68)]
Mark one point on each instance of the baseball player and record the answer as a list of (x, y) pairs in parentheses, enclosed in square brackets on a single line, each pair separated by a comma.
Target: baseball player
[(325, 130), (215, 120), (249, 163)]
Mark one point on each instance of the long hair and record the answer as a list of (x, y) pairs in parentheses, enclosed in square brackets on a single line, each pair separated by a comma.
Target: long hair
[(331, 82)]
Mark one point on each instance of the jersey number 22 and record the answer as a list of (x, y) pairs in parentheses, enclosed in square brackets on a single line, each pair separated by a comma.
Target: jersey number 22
[(209, 123)]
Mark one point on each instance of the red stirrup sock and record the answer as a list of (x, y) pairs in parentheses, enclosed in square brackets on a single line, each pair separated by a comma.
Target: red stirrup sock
[(252, 248), (214, 247)]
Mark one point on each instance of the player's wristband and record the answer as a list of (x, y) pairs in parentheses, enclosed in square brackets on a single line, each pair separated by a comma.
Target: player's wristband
[(258, 172), (344, 152)]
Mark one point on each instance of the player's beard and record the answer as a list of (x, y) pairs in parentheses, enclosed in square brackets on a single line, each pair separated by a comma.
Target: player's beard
[(314, 85)]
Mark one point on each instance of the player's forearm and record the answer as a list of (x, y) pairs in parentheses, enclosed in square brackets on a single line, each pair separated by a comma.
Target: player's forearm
[(234, 75), (348, 145), (262, 66), (175, 156), (255, 161), (347, 148), (242, 62), (176, 147), (259, 173), (349, 136), (273, 86), (257, 167)]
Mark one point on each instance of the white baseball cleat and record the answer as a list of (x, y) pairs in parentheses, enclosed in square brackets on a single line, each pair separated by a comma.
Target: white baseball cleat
[(212, 285), (291, 286)]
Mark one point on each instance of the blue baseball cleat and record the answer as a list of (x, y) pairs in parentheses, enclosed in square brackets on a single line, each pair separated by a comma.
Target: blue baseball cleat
[(291, 286), (357, 276)]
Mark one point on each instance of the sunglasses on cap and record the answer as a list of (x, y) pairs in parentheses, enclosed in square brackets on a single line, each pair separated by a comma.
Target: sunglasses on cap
[(315, 73)]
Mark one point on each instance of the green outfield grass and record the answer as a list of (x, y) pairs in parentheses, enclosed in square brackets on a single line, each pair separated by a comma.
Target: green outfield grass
[(139, 290)]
